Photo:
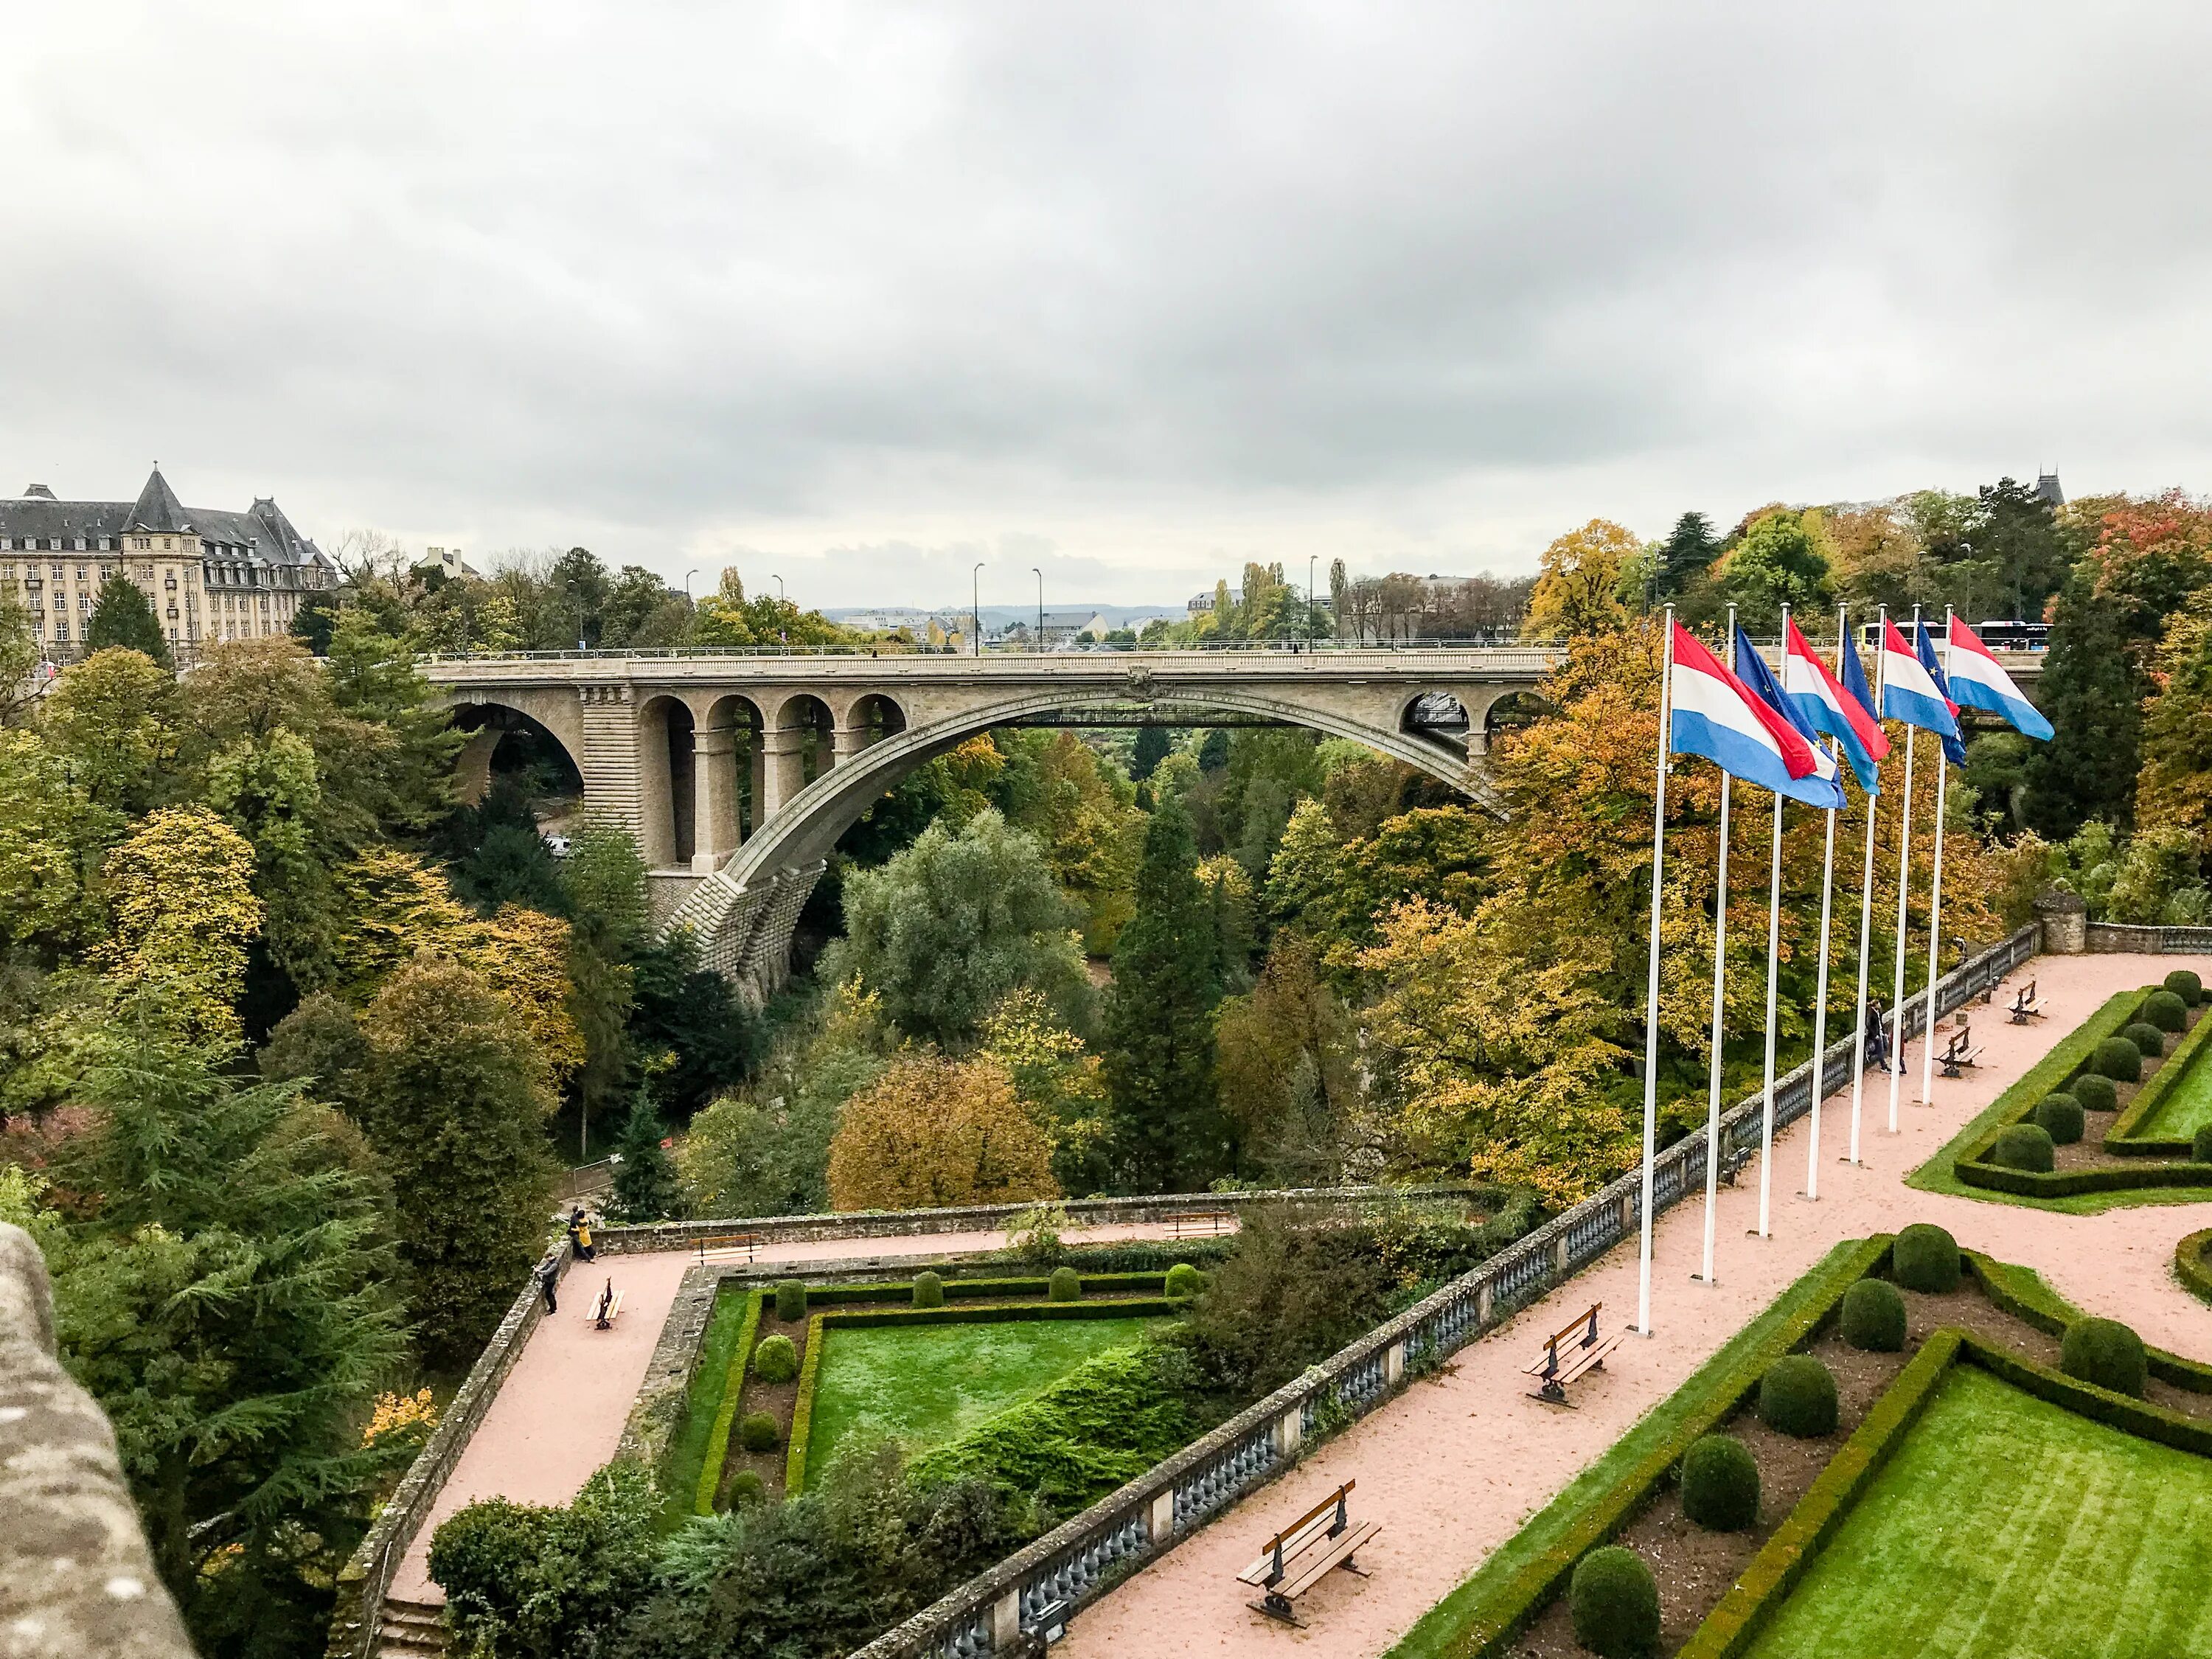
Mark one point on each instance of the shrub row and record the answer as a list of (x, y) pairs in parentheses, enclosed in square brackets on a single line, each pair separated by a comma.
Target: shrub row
[(2124, 1139), (1732, 1627), (725, 1413), (2187, 986), (1494, 1625), (1002, 1313), (2069, 1069), (2192, 1262), (2136, 1417), (2070, 1184), (977, 1290), (802, 1410), (2020, 1292)]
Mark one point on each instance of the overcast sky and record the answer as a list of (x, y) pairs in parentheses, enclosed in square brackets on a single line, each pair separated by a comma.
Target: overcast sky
[(862, 294)]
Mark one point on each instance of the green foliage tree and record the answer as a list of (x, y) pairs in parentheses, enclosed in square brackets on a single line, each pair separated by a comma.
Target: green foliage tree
[(1687, 553), (950, 925), (1289, 1069), (112, 718), (1158, 1030), (2174, 789), (124, 618), (227, 1299), (1778, 563), (2092, 691), (1153, 745), (51, 836), (646, 1187), (20, 653)]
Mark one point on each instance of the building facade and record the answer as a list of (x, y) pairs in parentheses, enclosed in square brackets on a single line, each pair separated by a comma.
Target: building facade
[(209, 575)]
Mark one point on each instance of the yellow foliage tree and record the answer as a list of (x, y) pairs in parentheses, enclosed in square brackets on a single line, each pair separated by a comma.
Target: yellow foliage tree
[(181, 890), (1577, 589), (931, 1132)]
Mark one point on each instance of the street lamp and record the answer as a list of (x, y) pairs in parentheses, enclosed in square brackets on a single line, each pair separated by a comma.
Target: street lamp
[(688, 575), (1310, 558), (975, 605), (1040, 576), (778, 581)]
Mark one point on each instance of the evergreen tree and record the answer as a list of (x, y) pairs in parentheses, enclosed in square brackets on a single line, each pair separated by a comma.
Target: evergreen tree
[(645, 1188), (1159, 1056), (125, 616), (1213, 750), (1687, 553), (1152, 747), (2092, 692)]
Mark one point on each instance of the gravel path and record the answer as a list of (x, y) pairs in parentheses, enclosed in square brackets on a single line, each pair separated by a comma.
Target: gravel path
[(1454, 1466)]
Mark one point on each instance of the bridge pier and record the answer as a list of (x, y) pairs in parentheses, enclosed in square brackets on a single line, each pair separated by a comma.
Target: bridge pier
[(783, 772), (716, 832)]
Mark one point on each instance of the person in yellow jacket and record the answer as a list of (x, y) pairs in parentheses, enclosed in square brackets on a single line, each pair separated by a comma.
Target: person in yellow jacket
[(579, 1234)]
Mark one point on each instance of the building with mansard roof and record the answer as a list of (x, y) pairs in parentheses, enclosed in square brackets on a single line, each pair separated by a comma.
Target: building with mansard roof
[(211, 574)]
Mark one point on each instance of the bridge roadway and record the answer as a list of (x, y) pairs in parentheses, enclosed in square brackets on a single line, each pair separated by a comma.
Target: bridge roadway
[(739, 770)]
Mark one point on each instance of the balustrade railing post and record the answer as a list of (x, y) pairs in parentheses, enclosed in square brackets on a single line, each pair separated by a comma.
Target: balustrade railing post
[(1159, 1516), (1290, 1431), (1482, 1303), (1394, 1364), (1006, 1622)]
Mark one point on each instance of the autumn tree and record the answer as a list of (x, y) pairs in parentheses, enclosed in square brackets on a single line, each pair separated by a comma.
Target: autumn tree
[(1085, 817), (1060, 1082), (2175, 790), (1577, 585), (931, 1132), (51, 836), (179, 891), (1289, 1066), (113, 718)]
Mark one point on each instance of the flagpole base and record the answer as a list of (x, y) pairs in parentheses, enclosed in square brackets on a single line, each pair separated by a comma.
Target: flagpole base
[(1700, 1279), (1856, 1162), (1636, 1330), (1807, 1198), (1753, 1232)]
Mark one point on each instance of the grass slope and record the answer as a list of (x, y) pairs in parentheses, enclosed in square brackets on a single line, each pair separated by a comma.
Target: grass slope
[(2188, 1108), (2096, 1543), (926, 1384), (687, 1449)]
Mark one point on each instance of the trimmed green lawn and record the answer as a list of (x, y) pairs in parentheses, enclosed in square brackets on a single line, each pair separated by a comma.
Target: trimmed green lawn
[(687, 1449), (2006, 1526), (926, 1384), (2188, 1108)]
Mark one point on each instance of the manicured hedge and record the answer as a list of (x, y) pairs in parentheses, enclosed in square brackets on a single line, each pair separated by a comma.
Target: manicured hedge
[(2165, 1010), (1797, 1397), (1183, 1280), (726, 1414), (1128, 1307), (2023, 1147), (2105, 1352), (2200, 1145), (759, 1432), (2021, 1292), (2060, 1117), (2149, 1039), (1925, 1257), (776, 1360), (1873, 1318), (2125, 1138), (1732, 1627), (2187, 986), (995, 1289), (2136, 1417), (2098, 1178), (1066, 1285), (928, 1291), (802, 1410), (2192, 1262), (1613, 1602), (2095, 1092), (1720, 1484), (790, 1300), (2119, 1059)]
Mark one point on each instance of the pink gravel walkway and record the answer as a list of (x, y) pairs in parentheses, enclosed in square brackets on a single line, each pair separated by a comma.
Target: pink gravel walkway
[(560, 1414), (1454, 1466)]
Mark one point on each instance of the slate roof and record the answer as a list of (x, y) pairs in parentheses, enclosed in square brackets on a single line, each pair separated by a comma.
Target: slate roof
[(261, 532)]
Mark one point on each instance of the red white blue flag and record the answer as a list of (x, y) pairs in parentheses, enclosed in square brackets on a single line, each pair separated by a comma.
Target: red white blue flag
[(1978, 681), (1823, 703), (1715, 715), (1909, 691)]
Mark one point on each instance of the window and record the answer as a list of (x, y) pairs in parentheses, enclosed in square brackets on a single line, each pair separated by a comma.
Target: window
[(81, 569), (80, 543), (61, 632), (143, 543), (7, 544), (59, 572)]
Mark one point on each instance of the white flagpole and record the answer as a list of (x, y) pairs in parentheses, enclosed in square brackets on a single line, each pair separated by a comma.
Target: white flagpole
[(1651, 988), (1773, 966), (1904, 886), (1820, 996), (1935, 900), (1713, 1068), (1866, 920)]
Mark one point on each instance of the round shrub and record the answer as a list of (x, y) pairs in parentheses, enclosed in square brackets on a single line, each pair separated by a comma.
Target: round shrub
[(776, 1360), (2200, 1149), (1183, 1280), (2023, 1147), (1797, 1397), (2149, 1040), (1065, 1285), (791, 1301), (1925, 1258), (759, 1432), (1720, 1484), (2060, 1117), (746, 1489), (1873, 1316), (928, 1291), (2187, 986), (2105, 1352), (2095, 1092), (2166, 1011), (1614, 1603), (2119, 1059)]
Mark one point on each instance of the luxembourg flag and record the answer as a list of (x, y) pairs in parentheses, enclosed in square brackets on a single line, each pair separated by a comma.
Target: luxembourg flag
[(1717, 716), (1823, 704), (1820, 788), (1909, 691), (1978, 681)]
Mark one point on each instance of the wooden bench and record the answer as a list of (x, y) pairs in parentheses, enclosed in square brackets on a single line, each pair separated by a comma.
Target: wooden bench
[(2025, 1007), (1961, 1052), (1197, 1224), (607, 1308), (1304, 1553), (1733, 1160), (749, 1242), (1558, 1368)]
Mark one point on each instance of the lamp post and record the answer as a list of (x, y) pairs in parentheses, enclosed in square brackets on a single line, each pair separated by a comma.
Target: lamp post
[(778, 581), (1039, 570), (976, 607), (688, 575), (1310, 558)]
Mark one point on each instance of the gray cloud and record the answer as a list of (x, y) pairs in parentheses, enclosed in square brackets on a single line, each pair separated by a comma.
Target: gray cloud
[(859, 294)]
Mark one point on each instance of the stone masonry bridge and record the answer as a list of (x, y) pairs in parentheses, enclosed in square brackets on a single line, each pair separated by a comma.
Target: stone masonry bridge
[(738, 772)]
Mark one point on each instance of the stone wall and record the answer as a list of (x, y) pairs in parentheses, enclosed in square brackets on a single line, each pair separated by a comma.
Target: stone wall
[(76, 1576)]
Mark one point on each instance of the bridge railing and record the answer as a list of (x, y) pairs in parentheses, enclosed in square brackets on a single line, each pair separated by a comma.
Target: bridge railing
[(1212, 647), (999, 1610)]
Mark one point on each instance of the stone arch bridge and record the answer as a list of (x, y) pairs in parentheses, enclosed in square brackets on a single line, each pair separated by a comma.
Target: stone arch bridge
[(737, 772)]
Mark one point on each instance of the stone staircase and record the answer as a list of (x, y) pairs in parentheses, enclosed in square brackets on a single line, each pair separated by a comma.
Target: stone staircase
[(412, 1630)]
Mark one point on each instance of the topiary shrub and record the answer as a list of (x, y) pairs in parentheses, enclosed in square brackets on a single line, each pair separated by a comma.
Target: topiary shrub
[(791, 1301), (2119, 1059), (1065, 1285), (2060, 1117), (775, 1360), (2185, 985), (747, 1489), (759, 1432), (1183, 1280), (2166, 1011), (2023, 1147), (1614, 1603), (2200, 1149), (2105, 1352), (2149, 1040), (928, 1291), (1925, 1258), (1797, 1397), (1720, 1484), (2095, 1092), (1873, 1316)]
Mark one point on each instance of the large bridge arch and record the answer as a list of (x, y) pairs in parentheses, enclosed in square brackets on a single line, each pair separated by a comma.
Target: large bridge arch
[(490, 723)]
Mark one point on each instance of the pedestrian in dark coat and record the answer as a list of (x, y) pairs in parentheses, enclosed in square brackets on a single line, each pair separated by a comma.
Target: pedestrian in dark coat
[(549, 1275)]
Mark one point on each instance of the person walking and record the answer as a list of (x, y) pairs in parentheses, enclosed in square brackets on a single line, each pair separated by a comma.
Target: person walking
[(1877, 1037), (549, 1275)]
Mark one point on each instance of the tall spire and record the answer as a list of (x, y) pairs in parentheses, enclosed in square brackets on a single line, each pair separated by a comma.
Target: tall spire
[(157, 507)]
